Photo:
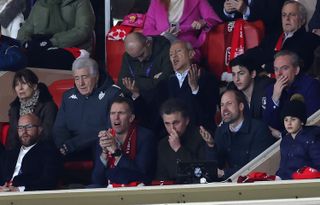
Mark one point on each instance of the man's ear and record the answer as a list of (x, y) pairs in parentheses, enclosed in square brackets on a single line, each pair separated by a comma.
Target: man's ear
[(241, 106), (132, 117), (253, 74), (192, 53), (297, 70)]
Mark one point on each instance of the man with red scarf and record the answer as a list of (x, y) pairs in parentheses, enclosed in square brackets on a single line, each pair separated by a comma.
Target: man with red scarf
[(293, 37), (126, 152)]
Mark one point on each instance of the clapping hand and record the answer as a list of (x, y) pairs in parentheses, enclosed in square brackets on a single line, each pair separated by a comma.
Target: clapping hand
[(193, 77)]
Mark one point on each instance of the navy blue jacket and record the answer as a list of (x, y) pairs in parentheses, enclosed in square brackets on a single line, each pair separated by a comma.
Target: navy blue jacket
[(296, 153), (234, 150), (40, 170), (11, 56), (305, 85), (140, 169), (80, 118)]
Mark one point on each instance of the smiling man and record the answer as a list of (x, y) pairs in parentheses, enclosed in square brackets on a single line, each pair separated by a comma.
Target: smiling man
[(126, 151), (239, 139), (83, 112), (33, 166)]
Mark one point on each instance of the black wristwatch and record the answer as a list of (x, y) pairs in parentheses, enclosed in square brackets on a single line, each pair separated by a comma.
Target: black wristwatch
[(117, 153)]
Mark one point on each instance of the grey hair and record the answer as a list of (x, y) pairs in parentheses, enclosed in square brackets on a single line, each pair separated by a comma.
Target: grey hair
[(85, 62), (187, 44), (303, 14), (294, 58)]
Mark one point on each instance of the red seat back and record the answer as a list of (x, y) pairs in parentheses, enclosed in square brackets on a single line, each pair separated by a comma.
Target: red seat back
[(4, 129), (214, 48), (58, 87), (114, 51)]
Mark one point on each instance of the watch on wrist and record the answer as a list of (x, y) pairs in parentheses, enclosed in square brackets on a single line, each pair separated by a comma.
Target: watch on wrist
[(117, 153)]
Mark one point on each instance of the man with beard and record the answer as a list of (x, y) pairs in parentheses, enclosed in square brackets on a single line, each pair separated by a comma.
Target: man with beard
[(33, 166), (239, 139)]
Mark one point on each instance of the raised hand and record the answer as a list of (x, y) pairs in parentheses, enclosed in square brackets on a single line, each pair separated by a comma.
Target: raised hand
[(278, 87), (131, 86), (193, 77), (174, 140), (107, 141), (206, 136)]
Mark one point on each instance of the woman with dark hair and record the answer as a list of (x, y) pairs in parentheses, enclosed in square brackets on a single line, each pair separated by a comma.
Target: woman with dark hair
[(32, 97)]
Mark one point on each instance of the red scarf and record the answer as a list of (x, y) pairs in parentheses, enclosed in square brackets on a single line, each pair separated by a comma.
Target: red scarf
[(129, 147), (237, 41), (279, 43)]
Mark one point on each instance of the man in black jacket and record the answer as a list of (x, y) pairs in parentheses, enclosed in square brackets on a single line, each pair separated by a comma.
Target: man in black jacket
[(239, 139), (33, 166), (294, 38)]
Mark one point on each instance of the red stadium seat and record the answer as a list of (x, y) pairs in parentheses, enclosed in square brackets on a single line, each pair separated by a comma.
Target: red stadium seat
[(114, 52), (214, 48), (58, 87), (4, 129)]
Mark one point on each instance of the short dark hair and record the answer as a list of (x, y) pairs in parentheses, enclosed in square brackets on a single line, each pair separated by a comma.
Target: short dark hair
[(125, 100), (245, 61), (173, 105), (25, 75), (240, 97)]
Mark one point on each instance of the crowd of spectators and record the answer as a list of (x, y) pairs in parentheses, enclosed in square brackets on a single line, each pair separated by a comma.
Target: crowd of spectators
[(164, 107)]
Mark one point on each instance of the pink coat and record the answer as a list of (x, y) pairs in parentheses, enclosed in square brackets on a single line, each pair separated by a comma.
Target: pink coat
[(157, 20)]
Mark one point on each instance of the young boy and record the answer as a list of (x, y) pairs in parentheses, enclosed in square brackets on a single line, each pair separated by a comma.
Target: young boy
[(298, 147)]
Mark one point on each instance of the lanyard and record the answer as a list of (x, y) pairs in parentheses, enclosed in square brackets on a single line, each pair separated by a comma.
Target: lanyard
[(148, 70)]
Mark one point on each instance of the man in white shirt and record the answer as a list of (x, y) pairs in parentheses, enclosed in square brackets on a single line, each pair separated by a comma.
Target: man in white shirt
[(33, 166)]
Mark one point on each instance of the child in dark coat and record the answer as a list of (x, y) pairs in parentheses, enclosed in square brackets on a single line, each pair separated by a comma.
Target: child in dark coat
[(298, 147)]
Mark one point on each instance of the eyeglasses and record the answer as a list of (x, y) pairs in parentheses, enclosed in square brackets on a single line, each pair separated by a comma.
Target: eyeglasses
[(21, 128)]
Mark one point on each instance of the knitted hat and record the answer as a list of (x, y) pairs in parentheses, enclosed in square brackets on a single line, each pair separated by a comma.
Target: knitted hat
[(245, 61), (295, 108)]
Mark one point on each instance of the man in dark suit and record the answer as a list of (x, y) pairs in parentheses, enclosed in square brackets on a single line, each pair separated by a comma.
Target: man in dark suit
[(198, 88), (268, 11), (294, 38), (126, 152), (33, 166)]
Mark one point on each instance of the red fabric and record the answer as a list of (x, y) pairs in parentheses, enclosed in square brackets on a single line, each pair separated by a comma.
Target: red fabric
[(119, 32), (256, 176), (237, 42), (134, 20), (306, 173), (131, 184), (4, 132), (74, 51), (129, 147), (279, 42)]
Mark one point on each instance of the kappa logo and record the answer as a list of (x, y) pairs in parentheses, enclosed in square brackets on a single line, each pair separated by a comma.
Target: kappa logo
[(101, 95), (73, 96)]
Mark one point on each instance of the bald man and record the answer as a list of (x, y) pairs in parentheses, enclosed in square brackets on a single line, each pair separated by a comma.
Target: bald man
[(145, 63)]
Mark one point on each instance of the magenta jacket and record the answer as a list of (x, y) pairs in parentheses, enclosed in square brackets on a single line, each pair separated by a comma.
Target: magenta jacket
[(157, 20)]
